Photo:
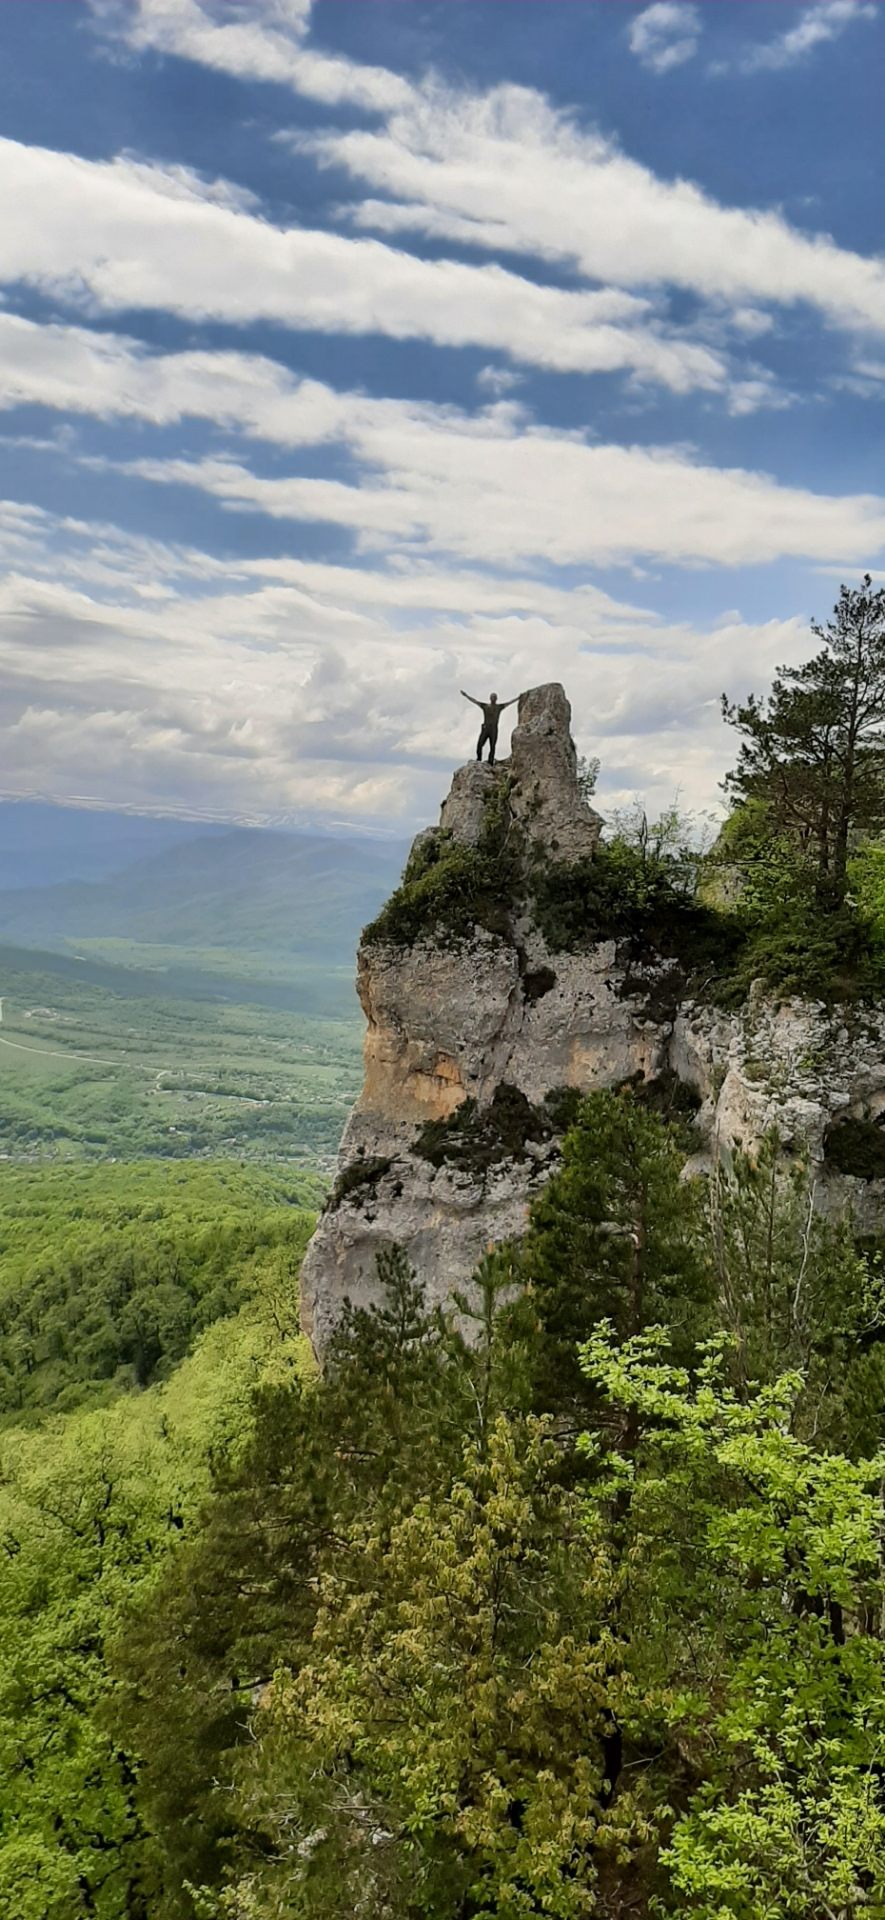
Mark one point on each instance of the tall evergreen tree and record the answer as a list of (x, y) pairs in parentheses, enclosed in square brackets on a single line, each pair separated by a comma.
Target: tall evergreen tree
[(614, 1235), (814, 751)]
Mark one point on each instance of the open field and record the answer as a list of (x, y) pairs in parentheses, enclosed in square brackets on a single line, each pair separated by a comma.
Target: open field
[(314, 987), (173, 990), (99, 1062)]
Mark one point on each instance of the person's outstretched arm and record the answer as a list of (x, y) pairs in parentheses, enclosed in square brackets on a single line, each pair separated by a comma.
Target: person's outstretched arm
[(507, 703), (469, 696)]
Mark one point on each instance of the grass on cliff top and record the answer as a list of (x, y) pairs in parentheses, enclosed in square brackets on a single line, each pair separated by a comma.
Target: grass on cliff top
[(623, 893), (652, 891), (448, 889)]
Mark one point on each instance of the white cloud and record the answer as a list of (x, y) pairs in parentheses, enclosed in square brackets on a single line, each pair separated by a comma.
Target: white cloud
[(486, 491), (121, 234), (255, 40), (288, 690), (750, 322), (666, 34), (503, 170), (824, 20), (106, 375), (261, 688), (493, 486), (498, 380)]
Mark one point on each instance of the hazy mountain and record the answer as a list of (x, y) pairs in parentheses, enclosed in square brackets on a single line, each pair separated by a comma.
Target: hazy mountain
[(235, 890), (41, 845)]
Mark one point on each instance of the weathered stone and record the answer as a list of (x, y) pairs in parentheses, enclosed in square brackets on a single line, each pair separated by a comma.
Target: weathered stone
[(444, 1219), (541, 777), (450, 1023), (463, 810), (544, 768)]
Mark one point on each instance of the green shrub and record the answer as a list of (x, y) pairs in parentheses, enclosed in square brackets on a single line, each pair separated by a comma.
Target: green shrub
[(816, 956), (361, 1176), (673, 1100), (476, 1138), (866, 882), (749, 910), (796, 940), (449, 888), (624, 895)]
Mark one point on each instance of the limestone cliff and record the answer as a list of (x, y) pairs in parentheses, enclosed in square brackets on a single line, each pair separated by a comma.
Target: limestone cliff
[(471, 1039)]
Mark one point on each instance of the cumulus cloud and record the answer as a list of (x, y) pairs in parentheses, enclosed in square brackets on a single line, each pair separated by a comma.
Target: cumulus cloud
[(817, 24), (666, 34), (286, 690)]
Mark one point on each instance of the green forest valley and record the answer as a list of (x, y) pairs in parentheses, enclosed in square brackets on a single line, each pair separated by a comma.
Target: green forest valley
[(569, 1602), (197, 999), (563, 1599)]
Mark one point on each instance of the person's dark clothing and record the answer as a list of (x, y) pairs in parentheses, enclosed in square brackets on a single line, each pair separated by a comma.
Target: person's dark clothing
[(488, 731), (491, 714)]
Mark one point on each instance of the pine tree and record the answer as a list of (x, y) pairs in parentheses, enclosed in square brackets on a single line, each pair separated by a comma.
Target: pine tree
[(613, 1236), (814, 752)]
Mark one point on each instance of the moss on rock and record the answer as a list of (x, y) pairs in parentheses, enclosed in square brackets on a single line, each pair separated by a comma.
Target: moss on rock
[(476, 1138), (449, 888)]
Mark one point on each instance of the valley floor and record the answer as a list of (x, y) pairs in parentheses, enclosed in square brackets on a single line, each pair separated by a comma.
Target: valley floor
[(104, 1062)]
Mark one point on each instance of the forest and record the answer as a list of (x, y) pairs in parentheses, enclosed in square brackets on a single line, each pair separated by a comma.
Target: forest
[(566, 1601), (575, 1609)]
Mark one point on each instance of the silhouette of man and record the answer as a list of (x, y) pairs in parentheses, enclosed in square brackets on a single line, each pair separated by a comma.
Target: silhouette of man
[(492, 709)]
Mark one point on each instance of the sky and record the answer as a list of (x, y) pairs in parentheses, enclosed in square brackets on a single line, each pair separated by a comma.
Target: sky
[(355, 353)]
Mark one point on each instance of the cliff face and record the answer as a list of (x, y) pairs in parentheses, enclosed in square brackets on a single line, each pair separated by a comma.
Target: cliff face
[(470, 1042)]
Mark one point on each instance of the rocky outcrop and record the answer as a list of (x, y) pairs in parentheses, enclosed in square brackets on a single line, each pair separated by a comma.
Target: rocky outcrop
[(470, 1042), (542, 776), (816, 1074), (445, 1027)]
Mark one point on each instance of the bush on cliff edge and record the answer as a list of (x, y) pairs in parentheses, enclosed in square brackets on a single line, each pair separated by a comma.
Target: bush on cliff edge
[(448, 889)]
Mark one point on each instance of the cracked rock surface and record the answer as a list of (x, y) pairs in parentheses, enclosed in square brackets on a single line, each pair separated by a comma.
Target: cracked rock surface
[(452, 1023)]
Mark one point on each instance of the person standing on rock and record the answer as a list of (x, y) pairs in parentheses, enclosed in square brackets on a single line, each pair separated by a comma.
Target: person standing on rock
[(492, 709)]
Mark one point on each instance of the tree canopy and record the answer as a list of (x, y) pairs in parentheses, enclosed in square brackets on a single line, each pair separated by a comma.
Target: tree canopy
[(813, 751), (468, 1633)]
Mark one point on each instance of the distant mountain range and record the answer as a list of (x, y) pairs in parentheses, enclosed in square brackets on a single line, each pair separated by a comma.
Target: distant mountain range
[(106, 882), (42, 844)]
